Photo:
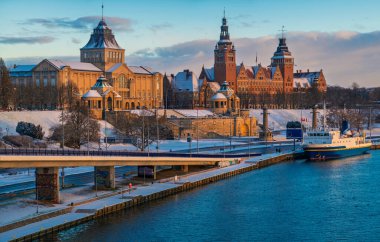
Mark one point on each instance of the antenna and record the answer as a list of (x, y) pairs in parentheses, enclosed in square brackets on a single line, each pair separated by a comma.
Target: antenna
[(256, 58), (283, 30), (224, 12)]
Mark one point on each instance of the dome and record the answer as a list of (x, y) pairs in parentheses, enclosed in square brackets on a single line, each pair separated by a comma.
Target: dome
[(218, 97), (91, 94)]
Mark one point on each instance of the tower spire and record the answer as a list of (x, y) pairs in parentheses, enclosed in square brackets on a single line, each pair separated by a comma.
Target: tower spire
[(102, 11), (282, 31)]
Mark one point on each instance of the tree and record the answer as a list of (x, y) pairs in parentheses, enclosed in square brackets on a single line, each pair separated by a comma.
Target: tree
[(141, 129), (30, 129), (79, 127), (6, 88)]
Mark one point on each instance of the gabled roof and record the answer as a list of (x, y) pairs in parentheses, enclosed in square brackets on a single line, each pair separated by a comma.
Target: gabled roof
[(210, 73), (186, 81), (75, 65), (141, 70), (21, 70), (305, 79)]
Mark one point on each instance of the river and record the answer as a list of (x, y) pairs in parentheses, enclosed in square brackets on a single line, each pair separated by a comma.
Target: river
[(293, 201)]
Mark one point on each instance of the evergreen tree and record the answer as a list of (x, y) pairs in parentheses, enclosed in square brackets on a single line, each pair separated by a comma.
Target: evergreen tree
[(6, 88)]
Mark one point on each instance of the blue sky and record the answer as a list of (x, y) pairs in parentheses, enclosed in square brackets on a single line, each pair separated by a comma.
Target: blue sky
[(40, 28)]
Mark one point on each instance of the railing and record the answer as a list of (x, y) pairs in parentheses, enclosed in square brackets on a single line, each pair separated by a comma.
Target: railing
[(60, 152)]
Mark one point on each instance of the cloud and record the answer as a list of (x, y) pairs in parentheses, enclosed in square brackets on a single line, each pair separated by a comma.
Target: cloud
[(26, 40), (344, 56), (76, 41), (159, 27), (82, 23)]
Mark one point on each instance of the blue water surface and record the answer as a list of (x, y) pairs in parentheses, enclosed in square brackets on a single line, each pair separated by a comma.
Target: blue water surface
[(293, 201)]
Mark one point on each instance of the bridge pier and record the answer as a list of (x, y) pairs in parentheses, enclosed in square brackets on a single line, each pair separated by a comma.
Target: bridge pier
[(147, 171), (47, 184), (185, 168), (104, 177)]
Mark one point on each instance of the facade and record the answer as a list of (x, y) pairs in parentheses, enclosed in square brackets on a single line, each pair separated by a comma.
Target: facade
[(256, 85), (138, 86)]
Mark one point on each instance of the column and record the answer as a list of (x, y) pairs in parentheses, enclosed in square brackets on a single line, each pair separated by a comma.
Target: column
[(104, 177), (185, 168), (47, 184)]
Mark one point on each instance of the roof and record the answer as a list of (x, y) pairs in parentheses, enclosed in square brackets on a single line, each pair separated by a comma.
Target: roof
[(190, 113), (75, 65), (114, 67), (91, 94), (141, 70), (102, 37), (186, 81), (218, 96), (21, 70), (214, 86), (305, 79), (210, 73), (301, 83)]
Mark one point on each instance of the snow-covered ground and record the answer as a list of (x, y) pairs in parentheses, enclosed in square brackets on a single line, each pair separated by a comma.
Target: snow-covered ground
[(279, 117)]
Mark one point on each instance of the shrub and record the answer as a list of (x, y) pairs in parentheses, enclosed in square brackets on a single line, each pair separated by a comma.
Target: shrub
[(29, 129)]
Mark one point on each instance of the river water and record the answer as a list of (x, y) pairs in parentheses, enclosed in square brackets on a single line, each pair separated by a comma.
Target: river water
[(293, 201)]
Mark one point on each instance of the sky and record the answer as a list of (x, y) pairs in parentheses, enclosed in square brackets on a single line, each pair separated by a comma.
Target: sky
[(340, 37)]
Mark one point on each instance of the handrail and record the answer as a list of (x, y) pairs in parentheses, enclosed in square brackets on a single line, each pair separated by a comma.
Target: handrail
[(67, 152)]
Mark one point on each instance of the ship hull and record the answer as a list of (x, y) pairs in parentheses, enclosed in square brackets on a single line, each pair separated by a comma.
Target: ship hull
[(331, 153)]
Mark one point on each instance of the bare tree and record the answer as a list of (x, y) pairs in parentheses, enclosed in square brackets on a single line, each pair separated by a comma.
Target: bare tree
[(79, 127), (6, 88)]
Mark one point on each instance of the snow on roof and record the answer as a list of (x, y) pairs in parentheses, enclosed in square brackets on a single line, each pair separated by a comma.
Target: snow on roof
[(300, 77), (186, 81), (190, 113), (210, 73), (101, 38), (91, 94), (75, 65), (114, 67), (142, 112), (301, 83), (21, 70), (214, 86), (218, 96), (140, 70)]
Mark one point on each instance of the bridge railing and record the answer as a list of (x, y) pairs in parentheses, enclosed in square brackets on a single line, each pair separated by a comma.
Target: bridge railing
[(70, 152)]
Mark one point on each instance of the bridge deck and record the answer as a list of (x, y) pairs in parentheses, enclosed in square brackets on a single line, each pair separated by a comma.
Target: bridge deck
[(19, 161)]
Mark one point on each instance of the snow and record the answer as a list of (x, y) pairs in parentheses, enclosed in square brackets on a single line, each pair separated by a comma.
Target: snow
[(194, 113), (9, 120), (114, 67), (279, 117), (218, 96), (186, 81), (75, 65), (91, 94), (139, 70)]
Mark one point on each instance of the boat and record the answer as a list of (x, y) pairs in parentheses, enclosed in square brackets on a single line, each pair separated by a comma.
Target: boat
[(327, 144)]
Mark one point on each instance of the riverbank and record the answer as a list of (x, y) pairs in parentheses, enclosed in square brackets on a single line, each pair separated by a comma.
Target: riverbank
[(100, 207)]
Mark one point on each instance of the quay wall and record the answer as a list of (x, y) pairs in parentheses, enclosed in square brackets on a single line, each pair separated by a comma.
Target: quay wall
[(136, 201)]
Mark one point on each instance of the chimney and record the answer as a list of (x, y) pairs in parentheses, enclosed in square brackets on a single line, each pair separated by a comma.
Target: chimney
[(307, 70)]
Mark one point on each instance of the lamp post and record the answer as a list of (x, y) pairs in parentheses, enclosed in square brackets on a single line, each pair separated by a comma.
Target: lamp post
[(105, 127), (63, 148), (36, 192), (96, 183), (158, 131), (197, 133), (224, 145), (88, 128), (230, 133)]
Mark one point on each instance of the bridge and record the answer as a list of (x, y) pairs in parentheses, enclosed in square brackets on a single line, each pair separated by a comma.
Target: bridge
[(48, 161)]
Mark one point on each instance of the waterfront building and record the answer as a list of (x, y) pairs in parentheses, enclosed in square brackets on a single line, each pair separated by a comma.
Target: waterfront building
[(138, 86)]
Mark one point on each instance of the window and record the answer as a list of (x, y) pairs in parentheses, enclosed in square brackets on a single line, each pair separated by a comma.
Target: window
[(37, 82), (45, 82), (53, 82)]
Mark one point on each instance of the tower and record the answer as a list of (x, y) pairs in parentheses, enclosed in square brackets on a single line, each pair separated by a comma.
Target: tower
[(102, 49), (225, 58), (284, 60)]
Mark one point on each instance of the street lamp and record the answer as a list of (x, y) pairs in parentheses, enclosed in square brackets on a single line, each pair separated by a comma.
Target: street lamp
[(197, 133), (36, 191), (158, 131), (63, 148), (88, 127)]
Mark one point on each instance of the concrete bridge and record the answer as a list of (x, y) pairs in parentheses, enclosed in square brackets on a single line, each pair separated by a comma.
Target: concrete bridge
[(47, 164)]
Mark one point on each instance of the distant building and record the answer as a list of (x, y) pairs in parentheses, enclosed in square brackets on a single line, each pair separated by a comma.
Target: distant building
[(138, 86)]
